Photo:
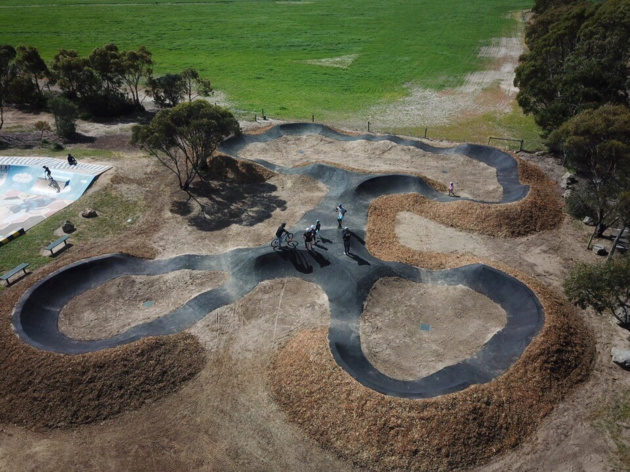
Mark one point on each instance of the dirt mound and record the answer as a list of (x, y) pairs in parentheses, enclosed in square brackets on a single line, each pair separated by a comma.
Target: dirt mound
[(39, 388), (390, 334), (141, 298), (458, 430), (540, 210), (228, 169)]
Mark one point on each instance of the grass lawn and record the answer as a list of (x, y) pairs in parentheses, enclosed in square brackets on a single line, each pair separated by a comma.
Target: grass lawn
[(114, 210), (265, 54), (477, 129)]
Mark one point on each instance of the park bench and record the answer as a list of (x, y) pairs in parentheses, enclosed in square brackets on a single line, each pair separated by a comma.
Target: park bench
[(54, 244), (14, 271)]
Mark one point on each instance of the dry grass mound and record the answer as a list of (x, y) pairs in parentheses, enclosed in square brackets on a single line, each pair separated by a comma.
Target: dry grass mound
[(540, 210), (458, 430), (39, 388)]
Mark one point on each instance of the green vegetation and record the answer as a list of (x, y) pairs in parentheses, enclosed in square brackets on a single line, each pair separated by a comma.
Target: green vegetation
[(259, 51), (184, 137), (577, 60), (478, 128), (77, 152), (114, 211), (596, 144), (605, 287), (613, 420)]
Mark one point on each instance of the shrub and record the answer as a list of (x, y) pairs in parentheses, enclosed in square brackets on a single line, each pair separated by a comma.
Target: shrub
[(65, 113)]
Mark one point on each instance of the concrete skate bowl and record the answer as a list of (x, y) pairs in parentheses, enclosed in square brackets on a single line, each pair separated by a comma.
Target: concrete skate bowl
[(27, 197)]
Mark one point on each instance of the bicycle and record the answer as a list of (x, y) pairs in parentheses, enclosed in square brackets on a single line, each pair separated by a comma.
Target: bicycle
[(288, 242)]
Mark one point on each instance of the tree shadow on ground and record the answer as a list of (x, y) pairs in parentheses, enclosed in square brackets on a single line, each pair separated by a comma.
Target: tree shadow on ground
[(227, 203)]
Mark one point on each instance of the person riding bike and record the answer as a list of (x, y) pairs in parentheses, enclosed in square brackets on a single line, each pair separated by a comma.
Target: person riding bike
[(280, 232)]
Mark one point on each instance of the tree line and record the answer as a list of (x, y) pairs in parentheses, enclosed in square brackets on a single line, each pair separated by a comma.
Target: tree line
[(575, 81), (106, 83)]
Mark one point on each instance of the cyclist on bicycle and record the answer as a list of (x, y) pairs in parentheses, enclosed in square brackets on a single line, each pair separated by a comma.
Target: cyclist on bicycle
[(280, 232)]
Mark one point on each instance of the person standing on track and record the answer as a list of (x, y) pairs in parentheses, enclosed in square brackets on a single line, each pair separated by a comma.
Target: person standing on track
[(346, 236), (47, 172), (341, 212), (451, 189), (280, 232), (309, 234)]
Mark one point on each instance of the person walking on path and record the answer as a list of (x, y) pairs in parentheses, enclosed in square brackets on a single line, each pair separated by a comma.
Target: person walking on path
[(47, 172), (341, 212), (309, 234), (451, 189), (280, 232), (346, 236)]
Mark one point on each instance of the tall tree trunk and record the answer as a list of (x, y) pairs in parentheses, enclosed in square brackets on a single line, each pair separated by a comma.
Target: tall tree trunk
[(588, 246), (614, 246)]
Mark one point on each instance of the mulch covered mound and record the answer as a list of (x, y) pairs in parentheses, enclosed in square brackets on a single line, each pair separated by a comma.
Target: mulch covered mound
[(452, 431), (540, 210), (459, 430), (43, 389)]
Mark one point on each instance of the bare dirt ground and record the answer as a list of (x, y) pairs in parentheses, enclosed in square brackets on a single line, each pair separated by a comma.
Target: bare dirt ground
[(260, 209), (123, 302), (225, 418), (472, 179), (428, 328)]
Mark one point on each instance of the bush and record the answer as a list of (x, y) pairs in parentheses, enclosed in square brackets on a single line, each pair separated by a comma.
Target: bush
[(107, 106), (577, 204), (65, 113)]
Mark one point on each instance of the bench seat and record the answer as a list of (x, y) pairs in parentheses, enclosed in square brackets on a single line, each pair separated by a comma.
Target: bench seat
[(14, 271), (54, 244)]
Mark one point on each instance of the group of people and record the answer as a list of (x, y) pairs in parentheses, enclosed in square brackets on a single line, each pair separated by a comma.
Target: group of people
[(311, 233)]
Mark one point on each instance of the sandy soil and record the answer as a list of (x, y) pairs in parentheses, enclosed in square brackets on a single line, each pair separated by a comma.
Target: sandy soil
[(487, 90), (124, 302), (472, 179), (459, 321)]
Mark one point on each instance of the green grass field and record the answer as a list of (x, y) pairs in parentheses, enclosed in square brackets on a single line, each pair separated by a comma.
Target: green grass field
[(257, 51)]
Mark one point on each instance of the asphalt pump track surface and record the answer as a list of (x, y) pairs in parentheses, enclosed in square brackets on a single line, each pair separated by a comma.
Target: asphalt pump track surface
[(347, 280)]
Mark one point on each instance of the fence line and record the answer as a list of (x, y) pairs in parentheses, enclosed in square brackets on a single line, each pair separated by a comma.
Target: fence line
[(520, 141), (370, 129)]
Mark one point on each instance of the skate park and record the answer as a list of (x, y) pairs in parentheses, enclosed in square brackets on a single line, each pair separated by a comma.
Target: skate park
[(28, 197), (506, 366)]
